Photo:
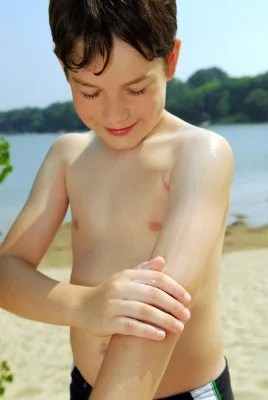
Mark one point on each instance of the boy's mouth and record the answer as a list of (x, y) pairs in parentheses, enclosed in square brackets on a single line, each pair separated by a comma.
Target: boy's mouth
[(120, 132)]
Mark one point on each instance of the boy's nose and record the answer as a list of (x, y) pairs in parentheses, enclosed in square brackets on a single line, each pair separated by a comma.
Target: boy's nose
[(115, 114)]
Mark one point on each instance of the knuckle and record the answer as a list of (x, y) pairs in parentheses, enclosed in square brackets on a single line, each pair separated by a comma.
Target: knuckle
[(145, 311), (154, 295), (177, 306), (169, 322), (128, 326), (107, 311), (180, 311), (126, 274), (147, 331), (115, 288), (160, 277)]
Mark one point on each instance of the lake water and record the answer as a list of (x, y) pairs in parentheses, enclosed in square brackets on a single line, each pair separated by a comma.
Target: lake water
[(250, 184)]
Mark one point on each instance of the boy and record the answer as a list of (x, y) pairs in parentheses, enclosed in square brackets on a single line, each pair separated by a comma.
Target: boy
[(143, 184)]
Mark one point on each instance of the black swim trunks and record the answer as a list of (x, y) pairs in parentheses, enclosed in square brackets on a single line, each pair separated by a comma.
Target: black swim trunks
[(220, 389)]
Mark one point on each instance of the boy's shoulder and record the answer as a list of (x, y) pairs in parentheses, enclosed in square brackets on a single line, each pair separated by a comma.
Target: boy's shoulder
[(189, 134), (70, 145), (73, 139), (205, 152), (190, 140), (203, 145)]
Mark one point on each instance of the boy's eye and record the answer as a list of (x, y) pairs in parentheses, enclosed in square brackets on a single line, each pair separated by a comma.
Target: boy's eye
[(137, 92), (90, 96), (95, 95)]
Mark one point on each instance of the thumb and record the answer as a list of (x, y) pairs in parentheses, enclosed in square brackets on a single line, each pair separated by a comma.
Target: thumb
[(156, 263)]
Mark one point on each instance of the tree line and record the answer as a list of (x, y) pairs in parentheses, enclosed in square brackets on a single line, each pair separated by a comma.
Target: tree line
[(208, 96)]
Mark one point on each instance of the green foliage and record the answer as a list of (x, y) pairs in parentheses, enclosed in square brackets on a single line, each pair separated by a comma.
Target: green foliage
[(54, 118), (256, 104), (204, 76), (209, 95), (5, 169), (5, 376), (5, 166)]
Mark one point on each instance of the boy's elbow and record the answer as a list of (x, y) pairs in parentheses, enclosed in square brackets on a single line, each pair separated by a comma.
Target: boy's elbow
[(8, 261)]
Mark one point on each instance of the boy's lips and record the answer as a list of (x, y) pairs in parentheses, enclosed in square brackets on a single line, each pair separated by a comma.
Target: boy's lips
[(120, 132)]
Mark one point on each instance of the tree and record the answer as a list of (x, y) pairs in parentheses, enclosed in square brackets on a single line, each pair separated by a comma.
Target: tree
[(182, 102), (256, 105), (214, 99), (204, 76), (238, 88)]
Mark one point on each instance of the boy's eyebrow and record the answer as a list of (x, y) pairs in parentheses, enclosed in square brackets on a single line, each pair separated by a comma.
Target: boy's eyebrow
[(136, 80)]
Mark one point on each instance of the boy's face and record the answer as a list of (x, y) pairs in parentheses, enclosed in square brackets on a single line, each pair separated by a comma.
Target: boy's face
[(131, 91)]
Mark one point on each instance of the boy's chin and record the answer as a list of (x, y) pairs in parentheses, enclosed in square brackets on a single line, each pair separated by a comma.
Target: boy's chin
[(126, 143)]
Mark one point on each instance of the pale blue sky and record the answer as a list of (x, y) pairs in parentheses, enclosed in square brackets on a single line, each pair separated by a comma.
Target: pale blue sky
[(230, 34)]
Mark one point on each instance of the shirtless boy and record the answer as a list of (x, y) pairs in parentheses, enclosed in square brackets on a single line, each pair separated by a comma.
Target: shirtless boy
[(144, 185)]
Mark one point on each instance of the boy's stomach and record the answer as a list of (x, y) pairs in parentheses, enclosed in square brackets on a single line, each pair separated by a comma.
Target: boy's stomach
[(196, 360)]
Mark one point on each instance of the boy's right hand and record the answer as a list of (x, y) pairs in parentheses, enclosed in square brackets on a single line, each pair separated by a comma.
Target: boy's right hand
[(139, 302)]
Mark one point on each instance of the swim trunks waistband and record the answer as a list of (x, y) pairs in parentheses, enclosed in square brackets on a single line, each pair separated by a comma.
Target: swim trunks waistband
[(219, 389)]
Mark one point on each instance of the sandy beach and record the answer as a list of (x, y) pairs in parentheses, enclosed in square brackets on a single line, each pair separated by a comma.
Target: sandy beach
[(40, 357)]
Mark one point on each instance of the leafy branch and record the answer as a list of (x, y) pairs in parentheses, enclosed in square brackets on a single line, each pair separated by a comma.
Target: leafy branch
[(5, 165), (5, 376), (5, 168)]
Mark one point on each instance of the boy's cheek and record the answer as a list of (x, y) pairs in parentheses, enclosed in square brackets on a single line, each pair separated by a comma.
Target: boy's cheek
[(85, 113)]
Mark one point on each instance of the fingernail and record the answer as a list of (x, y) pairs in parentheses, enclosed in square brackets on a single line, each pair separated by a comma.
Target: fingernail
[(186, 313), (161, 334), (158, 258), (179, 326), (187, 297)]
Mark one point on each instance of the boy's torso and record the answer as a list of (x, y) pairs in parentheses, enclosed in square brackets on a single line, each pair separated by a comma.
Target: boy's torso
[(119, 200)]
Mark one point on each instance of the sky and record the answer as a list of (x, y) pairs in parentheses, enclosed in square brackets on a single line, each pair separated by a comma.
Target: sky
[(229, 34)]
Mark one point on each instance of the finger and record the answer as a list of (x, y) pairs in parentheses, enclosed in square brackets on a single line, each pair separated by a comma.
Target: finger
[(162, 281), (151, 315), (156, 263), (131, 327), (160, 299)]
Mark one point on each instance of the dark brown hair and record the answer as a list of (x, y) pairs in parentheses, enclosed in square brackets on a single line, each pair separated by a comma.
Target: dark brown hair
[(149, 26)]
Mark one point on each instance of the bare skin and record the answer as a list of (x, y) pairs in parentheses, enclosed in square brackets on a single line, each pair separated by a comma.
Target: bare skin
[(131, 192), (118, 207), (119, 197)]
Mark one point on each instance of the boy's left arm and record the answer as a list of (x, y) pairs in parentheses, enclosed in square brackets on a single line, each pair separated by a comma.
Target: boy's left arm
[(199, 200)]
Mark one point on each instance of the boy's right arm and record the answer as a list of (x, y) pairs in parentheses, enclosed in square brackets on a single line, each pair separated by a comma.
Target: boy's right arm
[(155, 298), (24, 290)]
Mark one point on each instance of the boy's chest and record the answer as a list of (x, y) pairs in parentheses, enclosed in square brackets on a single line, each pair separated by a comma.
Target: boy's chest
[(119, 198)]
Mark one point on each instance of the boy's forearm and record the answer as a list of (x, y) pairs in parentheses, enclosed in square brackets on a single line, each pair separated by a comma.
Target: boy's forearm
[(135, 376), (26, 292)]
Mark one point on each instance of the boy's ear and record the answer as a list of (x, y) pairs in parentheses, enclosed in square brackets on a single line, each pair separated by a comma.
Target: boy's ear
[(173, 59)]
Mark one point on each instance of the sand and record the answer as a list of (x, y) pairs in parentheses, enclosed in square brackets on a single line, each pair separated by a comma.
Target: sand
[(40, 357), (245, 321), (38, 354)]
